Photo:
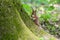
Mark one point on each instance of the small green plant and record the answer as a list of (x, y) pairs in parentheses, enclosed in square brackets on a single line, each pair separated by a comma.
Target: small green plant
[(45, 17), (41, 38)]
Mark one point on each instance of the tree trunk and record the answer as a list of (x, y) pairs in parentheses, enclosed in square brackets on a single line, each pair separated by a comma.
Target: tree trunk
[(11, 25)]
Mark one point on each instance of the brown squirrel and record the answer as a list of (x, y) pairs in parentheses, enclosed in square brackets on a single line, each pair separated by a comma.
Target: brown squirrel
[(35, 17)]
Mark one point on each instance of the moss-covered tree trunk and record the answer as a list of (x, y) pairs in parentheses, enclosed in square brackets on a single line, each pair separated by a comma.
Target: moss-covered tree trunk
[(11, 25)]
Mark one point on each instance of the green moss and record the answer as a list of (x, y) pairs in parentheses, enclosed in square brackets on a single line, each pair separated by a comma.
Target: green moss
[(11, 25)]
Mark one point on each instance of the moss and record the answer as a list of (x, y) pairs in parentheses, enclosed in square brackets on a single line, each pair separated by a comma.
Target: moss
[(11, 25)]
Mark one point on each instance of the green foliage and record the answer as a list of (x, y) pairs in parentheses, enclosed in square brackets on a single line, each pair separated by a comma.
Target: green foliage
[(58, 1), (50, 8), (54, 17), (27, 8), (45, 17), (41, 38), (48, 17), (51, 28)]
